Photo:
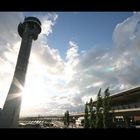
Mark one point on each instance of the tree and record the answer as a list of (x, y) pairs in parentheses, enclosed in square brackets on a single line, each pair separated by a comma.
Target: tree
[(66, 118), (86, 120), (99, 109), (107, 115), (92, 114)]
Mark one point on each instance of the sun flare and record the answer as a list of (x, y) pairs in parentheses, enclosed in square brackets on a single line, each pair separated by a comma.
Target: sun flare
[(32, 94)]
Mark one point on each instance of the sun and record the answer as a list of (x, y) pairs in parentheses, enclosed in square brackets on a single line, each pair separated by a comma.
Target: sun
[(32, 93)]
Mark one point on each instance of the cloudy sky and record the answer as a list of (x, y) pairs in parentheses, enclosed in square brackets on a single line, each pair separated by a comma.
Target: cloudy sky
[(76, 54)]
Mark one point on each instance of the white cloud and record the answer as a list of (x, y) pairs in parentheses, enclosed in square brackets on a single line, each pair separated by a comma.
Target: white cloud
[(47, 22), (49, 58), (117, 68), (57, 85), (72, 54)]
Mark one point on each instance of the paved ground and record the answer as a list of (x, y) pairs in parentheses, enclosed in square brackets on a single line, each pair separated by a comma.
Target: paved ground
[(44, 124)]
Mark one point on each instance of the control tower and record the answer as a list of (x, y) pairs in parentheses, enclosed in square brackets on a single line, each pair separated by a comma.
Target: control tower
[(28, 31)]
